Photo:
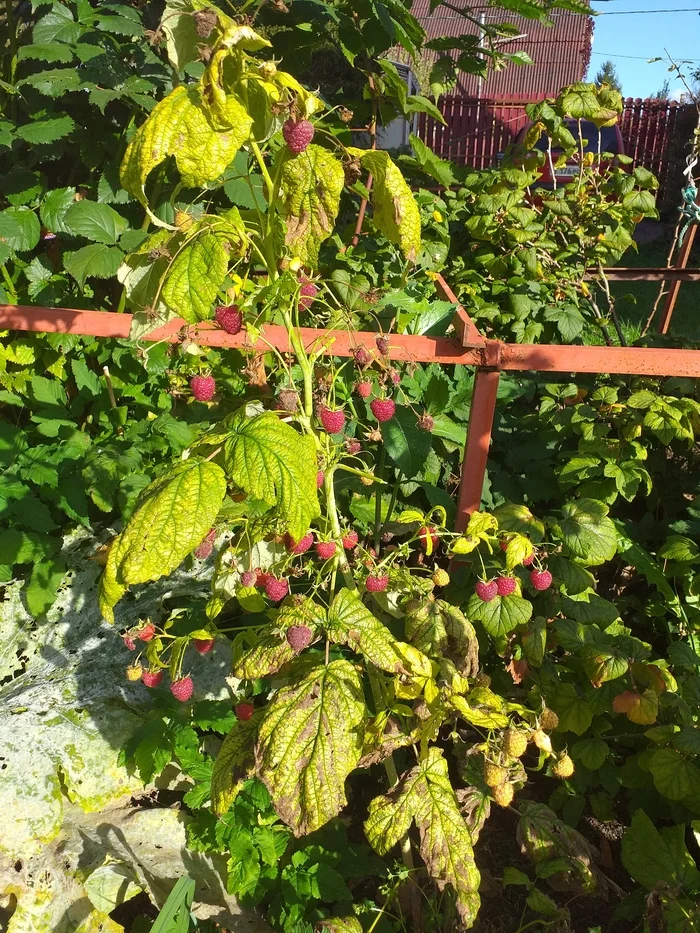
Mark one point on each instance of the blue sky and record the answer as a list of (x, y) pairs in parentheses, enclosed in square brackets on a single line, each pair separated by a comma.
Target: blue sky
[(642, 36)]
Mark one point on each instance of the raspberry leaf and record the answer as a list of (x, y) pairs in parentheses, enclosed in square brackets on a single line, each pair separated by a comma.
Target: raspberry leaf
[(339, 925), (396, 213), (587, 531), (97, 222), (234, 764), (575, 714), (425, 795), (311, 185), (310, 739), (519, 518), (440, 630), (500, 615), (405, 443), (181, 126), (272, 462), (195, 277), (674, 776)]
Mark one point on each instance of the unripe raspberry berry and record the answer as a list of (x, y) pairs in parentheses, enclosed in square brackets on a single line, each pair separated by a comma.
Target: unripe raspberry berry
[(352, 446), (276, 589), (203, 645), (249, 578), (206, 546), (382, 342), (376, 584), (494, 774), (320, 477), (383, 409), (362, 356), (505, 585), (299, 637), (333, 420), (152, 678), (203, 388), (288, 399), (426, 422), (515, 743), (542, 741), (549, 719), (364, 388), (440, 577), (300, 547), (134, 672), (146, 632), (129, 642), (564, 768), (503, 794), (350, 539), (182, 689), (244, 711), (298, 134), (325, 549), (229, 319), (307, 295), (486, 591), (541, 579)]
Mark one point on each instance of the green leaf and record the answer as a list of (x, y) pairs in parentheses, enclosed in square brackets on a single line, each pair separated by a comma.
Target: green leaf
[(425, 795), (501, 615), (85, 378), (534, 641), (271, 461), (576, 580), (575, 714), (20, 228), (591, 752), (309, 741), (513, 876), (54, 82), (181, 126), (94, 261), (57, 26), (433, 165), (640, 202), (195, 277), (233, 765), (678, 547), (339, 925), (519, 518), (604, 665), (674, 776), (646, 856), (43, 585), (580, 101), (588, 532), (43, 132), (97, 222), (396, 213), (405, 443), (54, 207), (312, 183)]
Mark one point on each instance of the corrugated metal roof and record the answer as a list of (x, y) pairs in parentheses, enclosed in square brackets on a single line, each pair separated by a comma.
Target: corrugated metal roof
[(561, 52)]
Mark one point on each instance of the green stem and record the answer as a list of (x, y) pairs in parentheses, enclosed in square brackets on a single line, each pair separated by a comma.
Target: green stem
[(394, 497), (378, 502), (11, 41), (332, 510), (11, 293), (269, 184)]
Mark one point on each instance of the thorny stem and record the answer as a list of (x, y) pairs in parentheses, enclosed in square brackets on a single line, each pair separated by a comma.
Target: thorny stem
[(378, 502)]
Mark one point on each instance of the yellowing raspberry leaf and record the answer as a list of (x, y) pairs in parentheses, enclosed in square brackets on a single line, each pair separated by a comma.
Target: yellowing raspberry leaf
[(481, 524), (483, 718), (440, 630), (309, 741), (351, 623), (111, 589), (519, 518), (195, 277), (273, 650), (180, 126), (338, 925), (396, 213), (234, 764), (519, 549), (312, 183), (425, 795), (501, 615), (587, 531), (175, 512), (273, 462)]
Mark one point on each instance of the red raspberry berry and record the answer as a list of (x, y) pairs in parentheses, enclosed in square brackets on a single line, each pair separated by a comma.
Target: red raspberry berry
[(486, 591), (206, 546), (203, 388), (320, 477), (229, 319), (261, 578), (352, 446), (325, 549), (423, 534), (333, 420), (244, 711), (276, 589), (307, 294), (503, 545), (382, 342), (426, 422), (506, 585), (300, 547), (541, 579), (146, 632), (203, 645), (528, 560), (350, 539), (376, 584), (182, 689), (299, 637), (129, 642), (298, 134), (152, 678), (249, 578), (362, 356), (383, 409), (364, 388)]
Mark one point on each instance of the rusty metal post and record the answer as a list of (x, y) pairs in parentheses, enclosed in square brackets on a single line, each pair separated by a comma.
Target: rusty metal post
[(681, 263), (476, 449)]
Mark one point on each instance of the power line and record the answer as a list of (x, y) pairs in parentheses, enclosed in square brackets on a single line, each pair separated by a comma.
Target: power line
[(639, 12), (645, 58)]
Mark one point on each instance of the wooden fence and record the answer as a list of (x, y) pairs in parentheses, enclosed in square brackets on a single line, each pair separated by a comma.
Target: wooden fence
[(656, 133)]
